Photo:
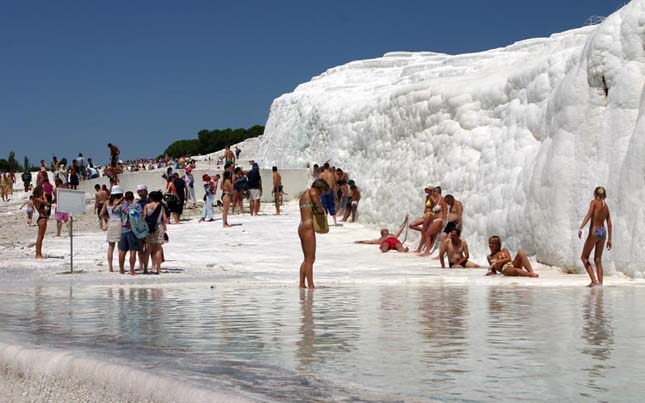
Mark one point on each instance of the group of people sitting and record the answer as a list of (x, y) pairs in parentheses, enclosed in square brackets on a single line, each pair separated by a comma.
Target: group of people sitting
[(441, 223)]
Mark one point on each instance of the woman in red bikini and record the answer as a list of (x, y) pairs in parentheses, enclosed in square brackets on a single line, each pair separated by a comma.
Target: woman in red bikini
[(598, 213)]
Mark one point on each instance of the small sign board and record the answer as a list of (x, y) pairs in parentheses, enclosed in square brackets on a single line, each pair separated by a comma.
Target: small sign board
[(70, 201)]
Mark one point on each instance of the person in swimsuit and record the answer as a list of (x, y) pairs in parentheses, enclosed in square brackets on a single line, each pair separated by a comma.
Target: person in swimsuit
[(597, 215), (73, 174), (457, 251), (229, 156), (434, 225), (455, 213), (277, 189), (500, 260), (328, 174), (417, 224), (388, 241), (309, 204), (227, 196), (114, 155), (30, 209), (355, 197), (5, 186), (100, 197), (41, 204)]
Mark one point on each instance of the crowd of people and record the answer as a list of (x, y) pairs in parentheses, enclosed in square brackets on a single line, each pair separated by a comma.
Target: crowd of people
[(118, 211), (440, 225), (138, 226)]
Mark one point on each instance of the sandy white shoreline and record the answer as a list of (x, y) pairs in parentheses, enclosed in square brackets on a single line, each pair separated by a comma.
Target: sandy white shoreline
[(263, 251)]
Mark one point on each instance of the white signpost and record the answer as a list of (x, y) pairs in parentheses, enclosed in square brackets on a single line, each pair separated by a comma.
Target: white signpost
[(70, 201)]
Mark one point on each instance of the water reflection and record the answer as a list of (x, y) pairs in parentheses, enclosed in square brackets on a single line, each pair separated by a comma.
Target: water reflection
[(307, 330), (598, 332), (403, 343), (443, 328)]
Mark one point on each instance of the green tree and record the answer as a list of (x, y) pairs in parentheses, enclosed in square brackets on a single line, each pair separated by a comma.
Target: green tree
[(211, 141), (25, 165), (11, 161)]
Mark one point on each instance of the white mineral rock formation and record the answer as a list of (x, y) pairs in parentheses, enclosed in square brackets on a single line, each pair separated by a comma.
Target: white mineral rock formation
[(521, 134)]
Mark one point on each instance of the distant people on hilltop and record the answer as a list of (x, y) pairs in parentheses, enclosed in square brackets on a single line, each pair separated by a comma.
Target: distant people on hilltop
[(114, 154)]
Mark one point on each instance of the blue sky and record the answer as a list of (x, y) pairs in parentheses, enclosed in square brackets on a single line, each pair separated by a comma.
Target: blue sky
[(75, 75)]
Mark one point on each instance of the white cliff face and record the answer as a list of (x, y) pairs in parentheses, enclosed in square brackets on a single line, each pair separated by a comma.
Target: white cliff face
[(522, 135)]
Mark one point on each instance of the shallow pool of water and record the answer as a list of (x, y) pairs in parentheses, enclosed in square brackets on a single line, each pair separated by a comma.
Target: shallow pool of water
[(452, 344)]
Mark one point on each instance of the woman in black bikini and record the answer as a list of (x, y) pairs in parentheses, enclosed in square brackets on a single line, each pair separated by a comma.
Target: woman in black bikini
[(309, 202), (40, 204), (598, 213)]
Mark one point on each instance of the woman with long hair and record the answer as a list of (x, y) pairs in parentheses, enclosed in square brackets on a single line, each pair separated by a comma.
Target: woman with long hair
[(114, 222), (597, 214), (435, 223), (227, 196), (40, 204), (309, 204), (155, 239), (421, 224)]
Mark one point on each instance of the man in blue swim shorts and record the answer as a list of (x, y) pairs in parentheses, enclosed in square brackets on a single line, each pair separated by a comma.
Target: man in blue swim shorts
[(328, 200)]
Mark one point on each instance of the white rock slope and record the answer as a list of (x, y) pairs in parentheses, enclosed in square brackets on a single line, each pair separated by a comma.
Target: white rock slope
[(521, 134)]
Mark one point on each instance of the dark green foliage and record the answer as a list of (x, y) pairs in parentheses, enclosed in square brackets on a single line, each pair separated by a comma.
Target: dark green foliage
[(10, 164), (211, 141), (25, 165)]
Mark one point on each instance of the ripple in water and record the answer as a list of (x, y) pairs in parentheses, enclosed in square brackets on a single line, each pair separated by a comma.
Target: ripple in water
[(454, 344)]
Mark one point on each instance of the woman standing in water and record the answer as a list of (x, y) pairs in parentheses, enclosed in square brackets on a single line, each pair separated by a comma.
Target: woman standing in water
[(598, 213), (40, 203), (309, 204)]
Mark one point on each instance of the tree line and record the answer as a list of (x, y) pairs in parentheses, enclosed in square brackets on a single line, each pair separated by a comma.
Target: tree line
[(11, 164), (209, 141)]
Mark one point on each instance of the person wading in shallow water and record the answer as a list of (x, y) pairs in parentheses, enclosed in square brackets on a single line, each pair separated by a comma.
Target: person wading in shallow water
[(597, 215), (309, 205)]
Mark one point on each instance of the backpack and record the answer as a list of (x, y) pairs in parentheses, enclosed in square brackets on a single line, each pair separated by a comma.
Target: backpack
[(152, 219), (138, 225), (242, 184)]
